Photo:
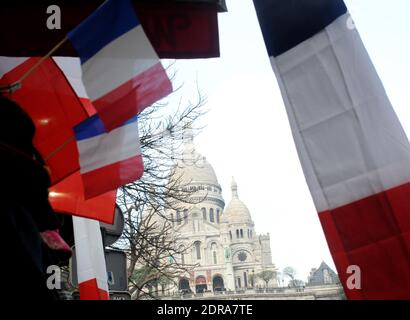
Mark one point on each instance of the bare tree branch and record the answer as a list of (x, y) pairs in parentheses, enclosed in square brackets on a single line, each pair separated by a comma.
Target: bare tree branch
[(149, 239)]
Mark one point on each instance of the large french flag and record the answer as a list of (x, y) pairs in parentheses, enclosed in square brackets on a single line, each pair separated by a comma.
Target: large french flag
[(91, 267), (48, 98), (122, 73), (353, 150), (71, 68), (108, 160), (55, 98)]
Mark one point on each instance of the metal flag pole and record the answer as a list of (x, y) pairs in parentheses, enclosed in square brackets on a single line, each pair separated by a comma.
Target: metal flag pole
[(17, 84)]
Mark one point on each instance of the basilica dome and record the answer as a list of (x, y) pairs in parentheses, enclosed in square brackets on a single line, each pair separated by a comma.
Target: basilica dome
[(236, 211), (193, 168)]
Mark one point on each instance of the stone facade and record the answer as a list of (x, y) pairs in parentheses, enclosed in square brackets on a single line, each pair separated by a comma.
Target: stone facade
[(222, 241)]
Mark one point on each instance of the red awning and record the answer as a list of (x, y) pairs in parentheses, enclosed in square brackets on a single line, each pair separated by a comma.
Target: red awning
[(177, 29)]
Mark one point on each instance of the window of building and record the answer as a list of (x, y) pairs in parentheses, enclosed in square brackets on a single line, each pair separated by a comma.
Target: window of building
[(214, 252), (217, 216), (182, 250), (178, 218), (239, 282), (237, 233), (172, 219), (327, 279), (230, 234), (211, 215), (197, 245), (196, 225), (185, 215), (241, 233), (204, 213)]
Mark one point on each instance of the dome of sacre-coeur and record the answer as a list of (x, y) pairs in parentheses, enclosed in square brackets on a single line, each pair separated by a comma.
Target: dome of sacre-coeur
[(236, 211)]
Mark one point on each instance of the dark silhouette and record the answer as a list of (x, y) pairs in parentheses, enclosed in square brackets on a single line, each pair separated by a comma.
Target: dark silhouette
[(27, 219)]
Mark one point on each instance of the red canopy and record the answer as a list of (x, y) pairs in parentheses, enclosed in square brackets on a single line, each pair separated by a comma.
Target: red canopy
[(177, 29)]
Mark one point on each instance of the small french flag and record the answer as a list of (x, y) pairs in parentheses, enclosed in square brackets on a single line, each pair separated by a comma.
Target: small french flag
[(91, 265), (122, 73), (108, 160)]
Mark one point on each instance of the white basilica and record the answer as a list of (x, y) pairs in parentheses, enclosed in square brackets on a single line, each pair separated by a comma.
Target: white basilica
[(222, 241)]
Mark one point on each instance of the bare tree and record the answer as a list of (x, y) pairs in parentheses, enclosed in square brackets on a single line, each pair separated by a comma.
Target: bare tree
[(266, 275), (290, 272), (154, 256)]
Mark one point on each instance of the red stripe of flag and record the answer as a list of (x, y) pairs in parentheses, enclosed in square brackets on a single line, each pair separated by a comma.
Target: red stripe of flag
[(373, 233), (112, 176), (89, 291), (133, 96)]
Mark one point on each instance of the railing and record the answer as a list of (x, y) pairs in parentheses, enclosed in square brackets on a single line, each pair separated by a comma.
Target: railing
[(280, 291)]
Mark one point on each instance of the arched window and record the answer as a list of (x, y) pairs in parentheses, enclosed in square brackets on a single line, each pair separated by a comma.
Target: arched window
[(241, 233), (178, 218), (214, 252), (197, 225), (185, 215), (230, 234), (211, 215), (245, 279), (217, 216), (237, 233), (182, 251), (197, 246), (203, 213)]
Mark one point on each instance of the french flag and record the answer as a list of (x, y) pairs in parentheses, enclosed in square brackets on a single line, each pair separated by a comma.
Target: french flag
[(353, 150), (91, 267), (121, 72), (108, 160)]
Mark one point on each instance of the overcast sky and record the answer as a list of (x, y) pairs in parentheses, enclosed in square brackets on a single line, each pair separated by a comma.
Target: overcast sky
[(247, 134)]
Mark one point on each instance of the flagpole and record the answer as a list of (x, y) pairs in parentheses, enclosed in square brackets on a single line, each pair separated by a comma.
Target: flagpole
[(17, 84), (59, 148)]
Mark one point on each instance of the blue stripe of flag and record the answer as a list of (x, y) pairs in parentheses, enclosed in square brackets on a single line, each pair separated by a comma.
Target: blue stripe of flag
[(108, 22), (89, 128), (93, 127), (286, 23)]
